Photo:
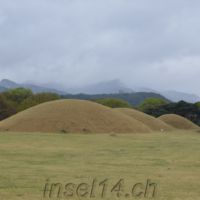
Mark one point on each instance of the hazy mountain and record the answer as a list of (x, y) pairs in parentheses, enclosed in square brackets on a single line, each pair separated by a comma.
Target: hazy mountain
[(106, 87), (115, 85), (178, 96), (2, 89), (143, 89), (172, 95), (9, 84), (39, 89), (36, 89), (52, 85)]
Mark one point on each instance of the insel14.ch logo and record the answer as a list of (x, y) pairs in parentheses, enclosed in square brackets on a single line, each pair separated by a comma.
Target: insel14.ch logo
[(85, 190)]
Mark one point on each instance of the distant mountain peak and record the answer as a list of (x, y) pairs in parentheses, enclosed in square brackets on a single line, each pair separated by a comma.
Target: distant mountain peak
[(103, 87), (8, 84), (6, 81)]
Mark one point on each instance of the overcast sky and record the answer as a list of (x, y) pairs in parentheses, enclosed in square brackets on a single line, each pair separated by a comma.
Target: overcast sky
[(148, 43)]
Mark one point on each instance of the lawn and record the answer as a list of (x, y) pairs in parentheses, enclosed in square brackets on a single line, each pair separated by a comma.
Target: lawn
[(109, 166)]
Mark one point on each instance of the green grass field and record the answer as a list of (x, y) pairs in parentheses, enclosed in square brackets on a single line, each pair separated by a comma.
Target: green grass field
[(169, 159)]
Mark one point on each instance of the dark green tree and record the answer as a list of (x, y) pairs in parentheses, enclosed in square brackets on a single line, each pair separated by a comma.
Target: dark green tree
[(7, 108), (198, 104), (115, 103), (19, 99), (188, 110)]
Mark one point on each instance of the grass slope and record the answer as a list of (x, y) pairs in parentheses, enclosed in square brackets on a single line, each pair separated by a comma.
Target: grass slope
[(178, 121), (172, 162), (151, 122), (72, 116)]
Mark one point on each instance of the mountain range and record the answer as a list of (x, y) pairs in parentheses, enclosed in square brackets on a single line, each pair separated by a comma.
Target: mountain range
[(106, 87), (7, 84)]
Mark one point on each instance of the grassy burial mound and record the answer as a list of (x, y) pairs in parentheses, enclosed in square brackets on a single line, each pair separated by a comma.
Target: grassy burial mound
[(178, 121), (152, 122), (72, 116)]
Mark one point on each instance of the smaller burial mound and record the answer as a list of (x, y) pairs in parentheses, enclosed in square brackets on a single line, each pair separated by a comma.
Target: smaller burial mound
[(178, 122), (72, 116), (150, 121)]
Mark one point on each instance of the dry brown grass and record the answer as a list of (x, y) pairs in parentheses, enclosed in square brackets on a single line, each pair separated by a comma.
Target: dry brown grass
[(178, 121), (152, 122), (73, 116)]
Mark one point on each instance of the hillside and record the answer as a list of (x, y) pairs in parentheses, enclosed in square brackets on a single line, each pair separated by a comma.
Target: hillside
[(178, 121), (152, 122), (132, 98), (73, 116)]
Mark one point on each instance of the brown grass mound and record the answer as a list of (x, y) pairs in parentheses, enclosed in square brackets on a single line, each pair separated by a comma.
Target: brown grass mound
[(152, 122), (178, 121), (72, 116)]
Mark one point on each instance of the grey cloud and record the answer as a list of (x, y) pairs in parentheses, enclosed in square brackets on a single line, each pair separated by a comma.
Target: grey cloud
[(83, 42)]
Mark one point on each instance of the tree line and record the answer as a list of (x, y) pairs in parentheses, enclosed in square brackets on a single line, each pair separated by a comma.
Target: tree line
[(158, 107), (134, 99), (19, 99), (112, 103), (190, 111)]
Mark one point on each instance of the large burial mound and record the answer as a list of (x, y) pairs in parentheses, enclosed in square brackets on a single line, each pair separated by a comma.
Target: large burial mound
[(152, 122), (72, 116), (178, 121)]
